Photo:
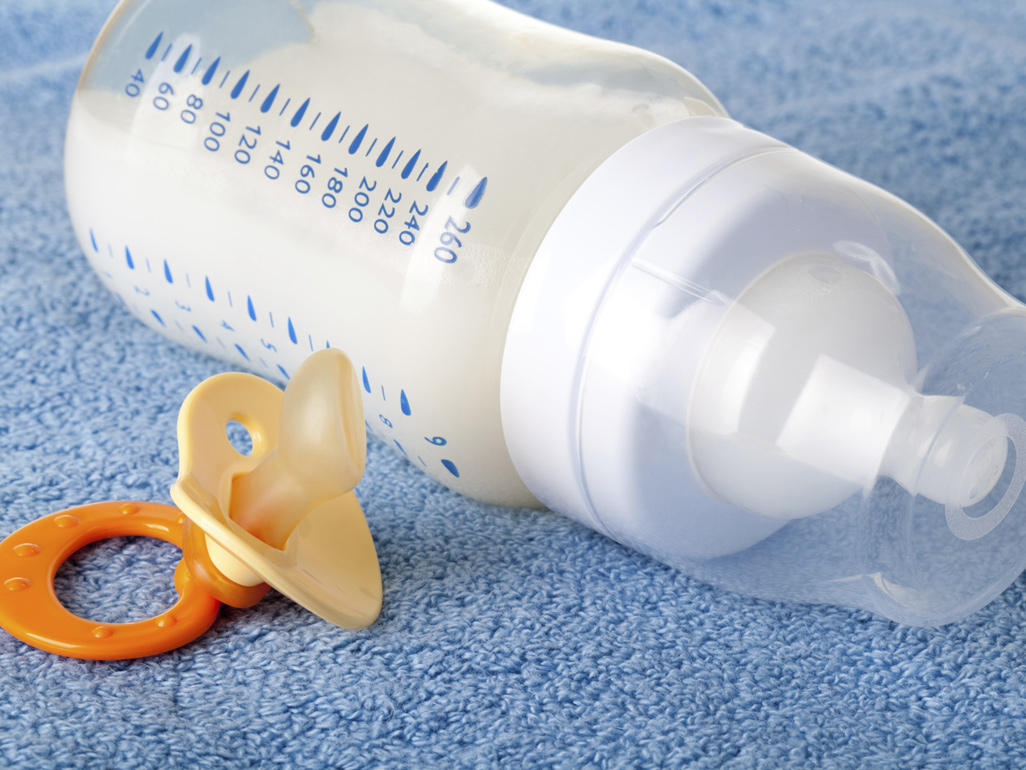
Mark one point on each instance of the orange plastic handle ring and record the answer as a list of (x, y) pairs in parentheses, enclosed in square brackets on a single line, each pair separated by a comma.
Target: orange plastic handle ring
[(31, 611)]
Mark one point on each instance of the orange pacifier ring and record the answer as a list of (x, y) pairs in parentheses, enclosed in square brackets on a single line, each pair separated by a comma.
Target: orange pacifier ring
[(31, 611)]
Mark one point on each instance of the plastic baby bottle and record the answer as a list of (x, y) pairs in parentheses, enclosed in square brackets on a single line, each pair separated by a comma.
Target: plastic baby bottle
[(565, 275)]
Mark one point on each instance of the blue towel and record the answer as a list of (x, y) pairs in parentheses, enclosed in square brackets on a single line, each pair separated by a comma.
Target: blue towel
[(508, 637)]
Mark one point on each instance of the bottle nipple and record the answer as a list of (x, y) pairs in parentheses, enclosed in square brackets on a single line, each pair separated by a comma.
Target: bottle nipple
[(320, 454)]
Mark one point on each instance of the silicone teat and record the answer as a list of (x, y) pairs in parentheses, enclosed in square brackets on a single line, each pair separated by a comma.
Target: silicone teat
[(320, 454), (284, 514), (805, 397)]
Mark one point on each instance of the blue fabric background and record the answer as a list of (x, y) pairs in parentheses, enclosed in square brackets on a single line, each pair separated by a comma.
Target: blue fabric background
[(508, 637)]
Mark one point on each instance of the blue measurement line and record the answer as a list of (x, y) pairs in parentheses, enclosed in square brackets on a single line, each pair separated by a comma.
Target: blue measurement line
[(220, 342), (270, 318), (239, 85), (199, 334), (366, 380), (196, 66), (180, 327), (110, 250), (252, 96), (148, 268), (358, 140), (209, 74), (167, 273), (299, 113), (383, 397), (436, 178), (330, 128), (210, 290), (292, 332), (371, 148), (314, 121), (154, 45), (476, 194), (180, 64), (452, 187), (93, 239), (423, 171), (229, 295), (422, 461), (285, 106), (404, 403), (344, 134), (309, 338), (157, 316), (383, 157), (167, 51), (410, 165), (188, 282), (284, 373), (269, 100), (250, 309), (224, 79), (238, 347), (398, 158)]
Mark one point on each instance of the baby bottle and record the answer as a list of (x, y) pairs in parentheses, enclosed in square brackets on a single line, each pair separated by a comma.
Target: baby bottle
[(565, 275)]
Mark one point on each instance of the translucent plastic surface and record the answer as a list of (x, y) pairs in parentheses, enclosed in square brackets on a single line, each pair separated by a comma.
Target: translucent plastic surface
[(261, 179)]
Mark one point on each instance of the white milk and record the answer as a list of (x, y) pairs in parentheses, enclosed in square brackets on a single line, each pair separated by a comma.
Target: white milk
[(529, 107)]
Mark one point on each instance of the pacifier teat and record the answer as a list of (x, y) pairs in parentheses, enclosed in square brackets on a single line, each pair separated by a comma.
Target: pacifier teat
[(283, 515), (320, 454)]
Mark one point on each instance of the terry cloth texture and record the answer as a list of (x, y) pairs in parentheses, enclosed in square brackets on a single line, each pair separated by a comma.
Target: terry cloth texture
[(508, 637)]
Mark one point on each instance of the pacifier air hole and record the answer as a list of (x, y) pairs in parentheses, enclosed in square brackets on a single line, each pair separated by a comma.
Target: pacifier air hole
[(119, 580), (239, 437)]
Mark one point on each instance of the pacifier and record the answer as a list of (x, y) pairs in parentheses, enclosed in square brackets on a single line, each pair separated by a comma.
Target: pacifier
[(283, 516)]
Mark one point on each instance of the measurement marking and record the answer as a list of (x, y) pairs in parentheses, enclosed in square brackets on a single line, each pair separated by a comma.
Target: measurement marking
[(157, 316), (167, 273), (252, 96), (366, 381), (167, 51), (437, 177), (450, 466), (358, 140), (285, 106), (269, 99), (209, 74), (180, 327), (224, 79), (188, 283), (398, 158), (250, 309), (210, 290), (219, 342), (330, 128), (422, 461), (314, 123), (93, 239), (110, 250), (400, 447), (383, 398), (230, 299), (371, 148), (180, 64), (292, 332), (270, 317), (410, 165), (404, 403), (153, 46), (452, 187), (476, 194), (344, 134), (309, 338), (199, 333), (239, 85), (300, 112), (282, 370), (148, 268), (423, 171), (383, 157), (266, 365), (196, 66), (238, 347)]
